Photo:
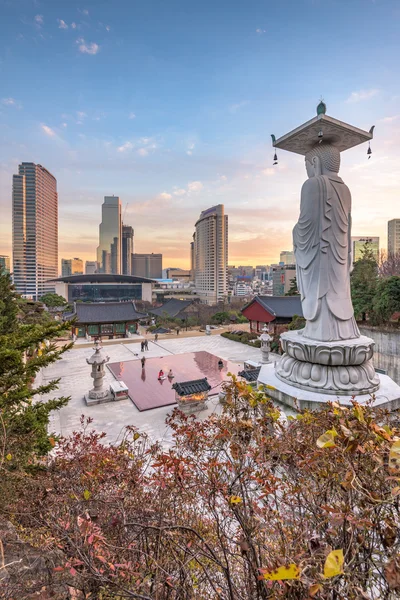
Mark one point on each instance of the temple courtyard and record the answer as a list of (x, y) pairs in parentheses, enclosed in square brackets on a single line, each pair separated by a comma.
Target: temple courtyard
[(188, 357)]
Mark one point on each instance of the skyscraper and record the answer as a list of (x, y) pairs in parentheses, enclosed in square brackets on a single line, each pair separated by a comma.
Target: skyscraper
[(5, 263), (127, 249), (35, 230), (192, 258), (147, 265), (287, 257), (110, 236), (394, 236), (90, 267), (211, 255), (71, 266)]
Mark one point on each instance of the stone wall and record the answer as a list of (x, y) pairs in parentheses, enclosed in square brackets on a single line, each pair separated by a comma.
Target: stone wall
[(387, 350)]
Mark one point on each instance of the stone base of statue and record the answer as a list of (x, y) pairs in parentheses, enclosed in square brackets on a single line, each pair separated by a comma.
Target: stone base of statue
[(296, 398), (98, 397), (339, 368)]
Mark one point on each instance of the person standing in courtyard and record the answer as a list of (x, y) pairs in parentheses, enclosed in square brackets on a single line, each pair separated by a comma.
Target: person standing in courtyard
[(177, 331), (146, 345), (143, 361), (156, 337)]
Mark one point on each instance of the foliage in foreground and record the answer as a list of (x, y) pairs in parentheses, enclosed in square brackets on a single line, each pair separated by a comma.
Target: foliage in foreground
[(27, 344), (241, 507)]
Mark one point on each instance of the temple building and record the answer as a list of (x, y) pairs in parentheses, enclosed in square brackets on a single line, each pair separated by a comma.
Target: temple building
[(106, 321)]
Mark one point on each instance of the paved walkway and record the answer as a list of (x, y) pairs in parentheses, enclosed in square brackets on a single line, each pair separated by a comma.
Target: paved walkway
[(113, 417)]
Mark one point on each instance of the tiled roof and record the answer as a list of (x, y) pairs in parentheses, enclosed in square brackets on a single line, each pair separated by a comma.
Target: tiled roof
[(186, 388), (250, 375), (171, 308), (162, 330), (107, 312), (281, 306)]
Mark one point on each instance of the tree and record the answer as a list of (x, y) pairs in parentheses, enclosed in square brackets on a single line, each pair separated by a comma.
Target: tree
[(241, 506), (293, 290), (24, 350), (387, 298), (389, 264), (363, 282), (53, 300)]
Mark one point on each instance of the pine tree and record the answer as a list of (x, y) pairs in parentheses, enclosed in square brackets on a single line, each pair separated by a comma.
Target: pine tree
[(24, 350), (363, 281), (293, 290)]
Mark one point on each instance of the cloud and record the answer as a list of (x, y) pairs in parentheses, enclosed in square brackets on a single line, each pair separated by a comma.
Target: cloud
[(223, 177), (179, 192), (260, 31), (8, 102), (235, 107), (108, 28), (269, 172), (81, 115), (143, 152), (85, 11), (190, 149), (73, 25), (39, 20), (63, 125), (125, 147), (48, 130), (389, 119), (131, 116), (362, 95), (165, 196), (84, 48), (195, 186), (62, 24)]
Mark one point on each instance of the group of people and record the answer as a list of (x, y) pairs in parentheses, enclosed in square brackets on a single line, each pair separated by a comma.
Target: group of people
[(144, 345), (161, 375)]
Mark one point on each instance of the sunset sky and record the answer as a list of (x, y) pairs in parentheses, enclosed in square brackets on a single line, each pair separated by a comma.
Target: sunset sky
[(170, 105)]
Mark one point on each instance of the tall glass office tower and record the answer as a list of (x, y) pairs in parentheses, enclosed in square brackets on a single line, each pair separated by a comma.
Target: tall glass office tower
[(211, 255), (110, 236), (35, 230)]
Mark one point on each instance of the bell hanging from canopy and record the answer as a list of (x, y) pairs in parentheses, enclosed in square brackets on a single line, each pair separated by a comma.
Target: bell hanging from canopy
[(275, 159), (369, 151)]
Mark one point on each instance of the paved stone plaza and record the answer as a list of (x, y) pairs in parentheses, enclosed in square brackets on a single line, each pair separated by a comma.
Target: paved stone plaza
[(113, 417)]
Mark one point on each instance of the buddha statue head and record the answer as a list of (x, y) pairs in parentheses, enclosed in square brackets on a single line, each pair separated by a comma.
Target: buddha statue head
[(322, 159)]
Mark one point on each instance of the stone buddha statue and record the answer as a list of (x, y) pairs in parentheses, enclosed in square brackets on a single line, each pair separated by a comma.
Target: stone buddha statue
[(322, 245)]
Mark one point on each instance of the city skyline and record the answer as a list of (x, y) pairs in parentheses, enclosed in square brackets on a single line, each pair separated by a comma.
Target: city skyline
[(172, 129)]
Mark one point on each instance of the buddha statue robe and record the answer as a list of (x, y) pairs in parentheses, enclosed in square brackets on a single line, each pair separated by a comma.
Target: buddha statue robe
[(322, 245)]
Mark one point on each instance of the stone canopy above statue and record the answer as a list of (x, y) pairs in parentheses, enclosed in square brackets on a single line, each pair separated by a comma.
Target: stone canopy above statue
[(322, 128)]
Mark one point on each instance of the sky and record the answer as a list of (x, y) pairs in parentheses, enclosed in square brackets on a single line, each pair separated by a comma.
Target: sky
[(170, 105)]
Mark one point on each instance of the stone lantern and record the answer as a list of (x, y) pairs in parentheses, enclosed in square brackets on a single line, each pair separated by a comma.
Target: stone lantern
[(266, 340), (98, 393)]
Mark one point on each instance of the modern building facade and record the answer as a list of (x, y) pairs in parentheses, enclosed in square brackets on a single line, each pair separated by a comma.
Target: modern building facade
[(127, 249), (110, 236), (35, 230), (393, 237), (90, 267), (103, 287), (192, 258), (360, 243), (5, 263), (71, 266), (287, 257), (282, 277), (147, 265), (211, 255)]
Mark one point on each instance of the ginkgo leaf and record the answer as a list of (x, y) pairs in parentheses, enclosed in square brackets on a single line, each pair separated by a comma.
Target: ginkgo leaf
[(327, 439), (314, 589), (9, 457), (394, 455), (290, 571), (86, 494), (235, 500), (334, 564)]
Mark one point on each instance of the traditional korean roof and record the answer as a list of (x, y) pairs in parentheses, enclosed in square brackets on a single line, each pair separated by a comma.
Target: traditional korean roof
[(250, 375), (186, 388), (107, 312), (171, 308), (161, 330), (279, 306)]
